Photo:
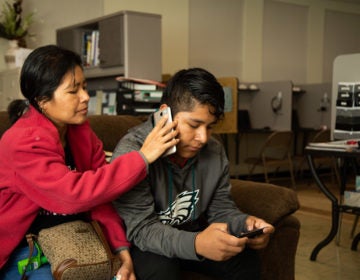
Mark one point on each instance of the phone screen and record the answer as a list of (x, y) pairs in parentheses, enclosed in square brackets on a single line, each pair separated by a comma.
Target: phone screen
[(252, 234)]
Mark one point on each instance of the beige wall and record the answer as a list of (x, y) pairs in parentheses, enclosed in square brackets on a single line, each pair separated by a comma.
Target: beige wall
[(175, 27), (52, 14), (227, 36), (267, 40), (216, 44), (274, 39)]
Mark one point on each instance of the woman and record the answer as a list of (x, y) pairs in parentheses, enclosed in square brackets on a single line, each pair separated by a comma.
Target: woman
[(52, 162)]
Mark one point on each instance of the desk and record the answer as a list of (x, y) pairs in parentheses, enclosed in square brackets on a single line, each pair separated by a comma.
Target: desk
[(348, 158)]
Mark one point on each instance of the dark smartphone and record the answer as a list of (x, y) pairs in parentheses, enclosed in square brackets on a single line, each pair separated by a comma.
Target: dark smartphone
[(157, 116), (252, 234)]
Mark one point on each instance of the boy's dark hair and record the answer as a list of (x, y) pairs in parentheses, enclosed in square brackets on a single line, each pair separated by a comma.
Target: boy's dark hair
[(191, 86)]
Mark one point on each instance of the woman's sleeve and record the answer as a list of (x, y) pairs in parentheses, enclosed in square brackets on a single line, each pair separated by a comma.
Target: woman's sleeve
[(111, 224), (39, 171)]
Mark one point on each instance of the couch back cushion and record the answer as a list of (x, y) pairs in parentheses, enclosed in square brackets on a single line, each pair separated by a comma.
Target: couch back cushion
[(110, 129)]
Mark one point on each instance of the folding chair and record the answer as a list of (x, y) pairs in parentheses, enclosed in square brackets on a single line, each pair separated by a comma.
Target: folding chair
[(274, 153)]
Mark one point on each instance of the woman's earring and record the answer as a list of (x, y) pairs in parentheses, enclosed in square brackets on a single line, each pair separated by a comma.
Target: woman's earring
[(43, 111)]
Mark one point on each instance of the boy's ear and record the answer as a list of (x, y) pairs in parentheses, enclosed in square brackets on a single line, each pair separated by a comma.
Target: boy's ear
[(163, 106)]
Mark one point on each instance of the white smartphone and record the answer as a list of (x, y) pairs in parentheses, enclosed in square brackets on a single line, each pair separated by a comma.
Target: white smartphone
[(157, 116)]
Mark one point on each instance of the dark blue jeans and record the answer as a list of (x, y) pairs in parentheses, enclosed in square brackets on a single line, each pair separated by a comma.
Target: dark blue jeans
[(149, 266), (10, 271)]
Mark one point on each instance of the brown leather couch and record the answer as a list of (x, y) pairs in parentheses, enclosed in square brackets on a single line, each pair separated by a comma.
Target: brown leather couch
[(273, 203)]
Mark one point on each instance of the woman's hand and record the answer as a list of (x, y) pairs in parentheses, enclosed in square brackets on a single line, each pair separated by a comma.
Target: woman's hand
[(161, 138), (126, 271)]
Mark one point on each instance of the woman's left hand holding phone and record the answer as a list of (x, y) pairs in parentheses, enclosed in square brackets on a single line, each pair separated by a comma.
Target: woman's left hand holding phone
[(161, 138)]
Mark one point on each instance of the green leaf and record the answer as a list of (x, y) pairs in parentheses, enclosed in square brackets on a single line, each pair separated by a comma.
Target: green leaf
[(12, 25)]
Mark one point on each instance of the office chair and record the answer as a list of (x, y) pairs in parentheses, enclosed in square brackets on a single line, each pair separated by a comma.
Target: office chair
[(274, 153)]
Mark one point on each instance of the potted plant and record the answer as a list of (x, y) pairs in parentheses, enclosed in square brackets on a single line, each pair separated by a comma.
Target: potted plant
[(12, 25)]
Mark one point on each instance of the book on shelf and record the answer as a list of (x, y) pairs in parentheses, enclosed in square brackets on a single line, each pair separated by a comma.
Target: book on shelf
[(138, 96), (102, 102), (124, 100), (145, 110), (90, 48), (148, 95), (95, 102), (139, 84)]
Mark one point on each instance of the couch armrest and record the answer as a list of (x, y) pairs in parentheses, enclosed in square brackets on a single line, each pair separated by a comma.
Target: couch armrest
[(266, 201)]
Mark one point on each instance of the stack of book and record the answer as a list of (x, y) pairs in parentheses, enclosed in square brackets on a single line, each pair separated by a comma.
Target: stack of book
[(102, 102), (90, 48), (137, 96)]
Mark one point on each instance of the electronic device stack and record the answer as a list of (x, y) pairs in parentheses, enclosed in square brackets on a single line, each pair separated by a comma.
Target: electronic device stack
[(138, 96), (347, 124)]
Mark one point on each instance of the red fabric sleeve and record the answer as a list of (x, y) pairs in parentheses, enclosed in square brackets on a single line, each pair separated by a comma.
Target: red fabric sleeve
[(111, 224)]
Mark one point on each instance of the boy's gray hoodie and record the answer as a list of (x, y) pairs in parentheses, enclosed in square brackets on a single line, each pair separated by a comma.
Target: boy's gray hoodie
[(164, 213)]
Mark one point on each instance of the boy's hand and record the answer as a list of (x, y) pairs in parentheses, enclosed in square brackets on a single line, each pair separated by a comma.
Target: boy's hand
[(260, 241), (215, 243)]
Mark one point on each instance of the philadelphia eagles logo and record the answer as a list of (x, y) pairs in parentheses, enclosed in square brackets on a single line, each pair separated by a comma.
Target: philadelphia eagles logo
[(181, 209)]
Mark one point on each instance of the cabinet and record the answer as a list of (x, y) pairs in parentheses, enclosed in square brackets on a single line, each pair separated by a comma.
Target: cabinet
[(9, 87), (129, 45)]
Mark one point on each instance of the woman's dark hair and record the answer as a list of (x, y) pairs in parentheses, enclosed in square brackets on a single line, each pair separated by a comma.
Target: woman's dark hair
[(189, 86), (42, 72)]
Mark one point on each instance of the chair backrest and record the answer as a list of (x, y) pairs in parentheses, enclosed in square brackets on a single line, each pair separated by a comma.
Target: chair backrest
[(229, 123), (277, 145), (321, 136)]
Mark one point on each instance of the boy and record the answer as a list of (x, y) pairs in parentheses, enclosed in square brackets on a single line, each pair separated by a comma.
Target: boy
[(182, 216)]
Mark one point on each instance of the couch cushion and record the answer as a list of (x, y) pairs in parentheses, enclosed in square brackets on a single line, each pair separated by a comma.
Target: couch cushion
[(266, 201)]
